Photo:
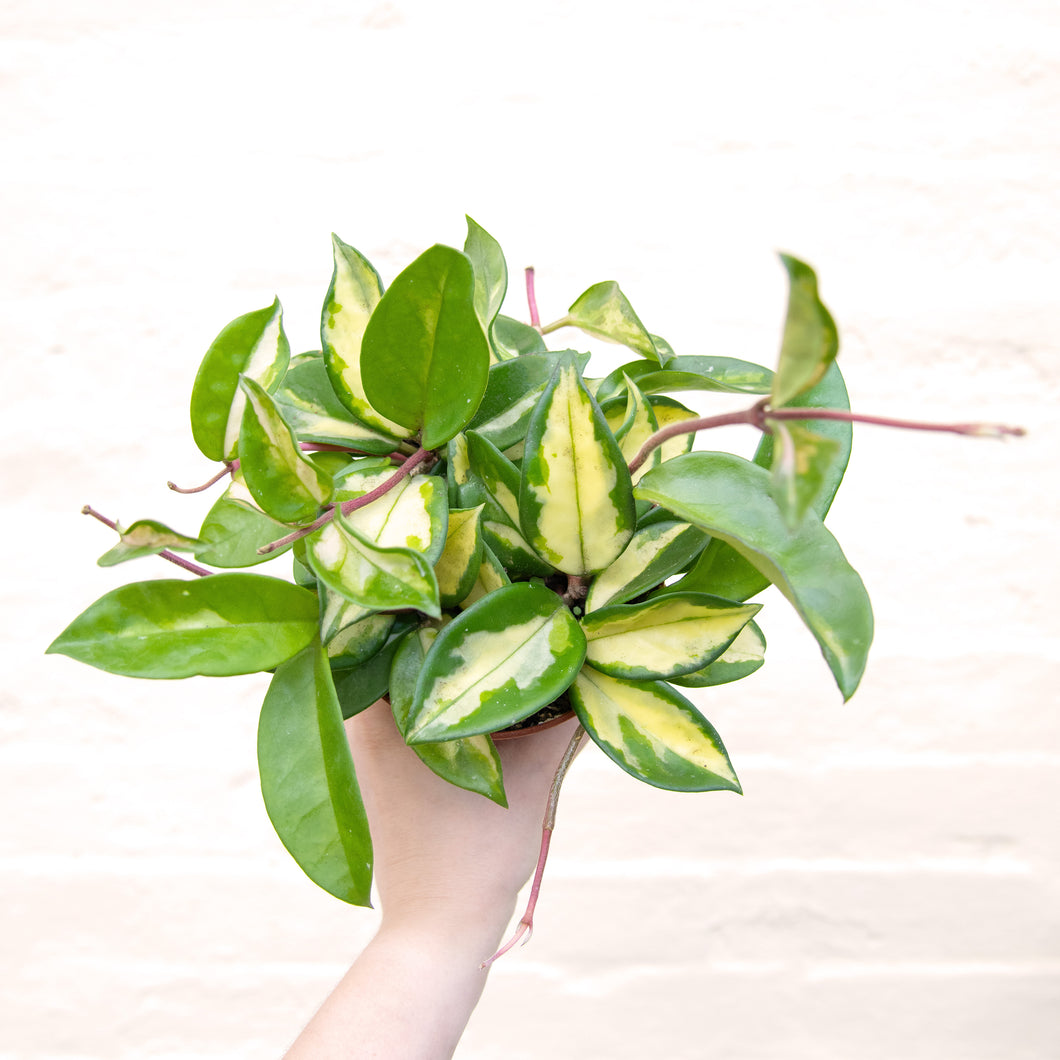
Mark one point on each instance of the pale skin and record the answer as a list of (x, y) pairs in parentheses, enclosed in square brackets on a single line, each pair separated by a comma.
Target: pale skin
[(448, 867)]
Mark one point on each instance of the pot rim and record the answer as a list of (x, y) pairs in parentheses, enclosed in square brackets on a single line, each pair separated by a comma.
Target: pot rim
[(511, 734)]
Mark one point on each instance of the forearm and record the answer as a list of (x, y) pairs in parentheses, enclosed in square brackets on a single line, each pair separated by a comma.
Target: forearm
[(410, 993)]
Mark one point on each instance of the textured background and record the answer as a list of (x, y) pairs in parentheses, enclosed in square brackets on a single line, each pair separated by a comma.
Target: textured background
[(888, 886)]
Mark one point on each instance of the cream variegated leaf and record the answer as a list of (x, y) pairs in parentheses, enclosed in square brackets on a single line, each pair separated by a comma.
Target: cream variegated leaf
[(663, 638), (652, 732), (576, 501), (740, 659), (458, 566)]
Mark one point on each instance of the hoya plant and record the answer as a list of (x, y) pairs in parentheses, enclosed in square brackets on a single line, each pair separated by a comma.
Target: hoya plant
[(482, 531)]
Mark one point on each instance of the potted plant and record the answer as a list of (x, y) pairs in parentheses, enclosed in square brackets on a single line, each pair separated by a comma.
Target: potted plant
[(478, 529)]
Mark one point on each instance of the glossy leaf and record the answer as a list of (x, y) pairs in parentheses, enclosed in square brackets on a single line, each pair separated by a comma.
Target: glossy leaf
[(360, 686), (513, 338), (350, 636), (425, 356), (810, 341), (740, 659), (354, 293), (668, 411), (491, 272), (575, 502), (721, 569), (662, 638), (801, 462), (376, 578), (491, 575), (512, 392), (146, 537), (309, 404), (308, 781), (458, 566), (729, 498), (496, 663), (217, 626), (709, 374), (234, 529), (637, 426), (253, 345), (604, 311), (471, 763), (652, 732), (653, 554), (411, 514), (284, 483)]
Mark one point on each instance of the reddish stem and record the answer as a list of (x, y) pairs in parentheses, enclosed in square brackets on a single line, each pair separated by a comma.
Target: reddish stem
[(531, 298), (346, 507), (758, 415), (229, 467), (180, 561), (525, 927)]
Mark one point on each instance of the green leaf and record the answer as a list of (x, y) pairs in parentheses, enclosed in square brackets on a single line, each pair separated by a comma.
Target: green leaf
[(654, 553), (471, 763), (498, 475), (604, 311), (800, 468), (513, 338), (284, 483), (652, 732), (740, 659), (491, 272), (358, 688), (496, 663), (350, 636), (667, 411), (376, 578), (309, 404), (458, 566), (709, 374), (491, 575), (810, 342), (354, 293), (721, 569), (637, 426), (146, 537), (253, 345), (662, 638), (729, 498), (234, 529), (425, 356), (575, 502), (217, 626), (308, 782)]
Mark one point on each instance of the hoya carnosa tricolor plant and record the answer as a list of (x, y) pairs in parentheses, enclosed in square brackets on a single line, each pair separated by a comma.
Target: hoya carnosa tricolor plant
[(476, 527)]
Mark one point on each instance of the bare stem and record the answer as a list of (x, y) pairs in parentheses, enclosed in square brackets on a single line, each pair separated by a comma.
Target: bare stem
[(531, 298), (403, 472), (577, 590), (180, 561), (525, 927), (230, 466), (759, 415)]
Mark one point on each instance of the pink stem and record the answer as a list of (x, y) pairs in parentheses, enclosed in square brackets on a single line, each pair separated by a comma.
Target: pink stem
[(525, 927), (535, 320), (180, 561), (229, 467)]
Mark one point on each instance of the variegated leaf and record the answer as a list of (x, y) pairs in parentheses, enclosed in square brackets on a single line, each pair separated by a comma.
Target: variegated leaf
[(654, 552), (491, 271), (491, 575), (284, 483), (146, 537), (354, 293), (497, 474), (350, 636), (662, 638), (740, 659), (254, 346), (576, 500), (411, 514), (458, 566), (378, 579), (471, 763), (496, 663), (604, 311), (652, 732)]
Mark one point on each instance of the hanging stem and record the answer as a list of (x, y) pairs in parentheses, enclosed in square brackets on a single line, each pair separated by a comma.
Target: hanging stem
[(180, 561), (230, 466), (525, 927), (759, 415), (403, 472)]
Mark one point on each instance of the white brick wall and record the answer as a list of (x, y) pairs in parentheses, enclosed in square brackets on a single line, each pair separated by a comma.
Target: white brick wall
[(888, 885)]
